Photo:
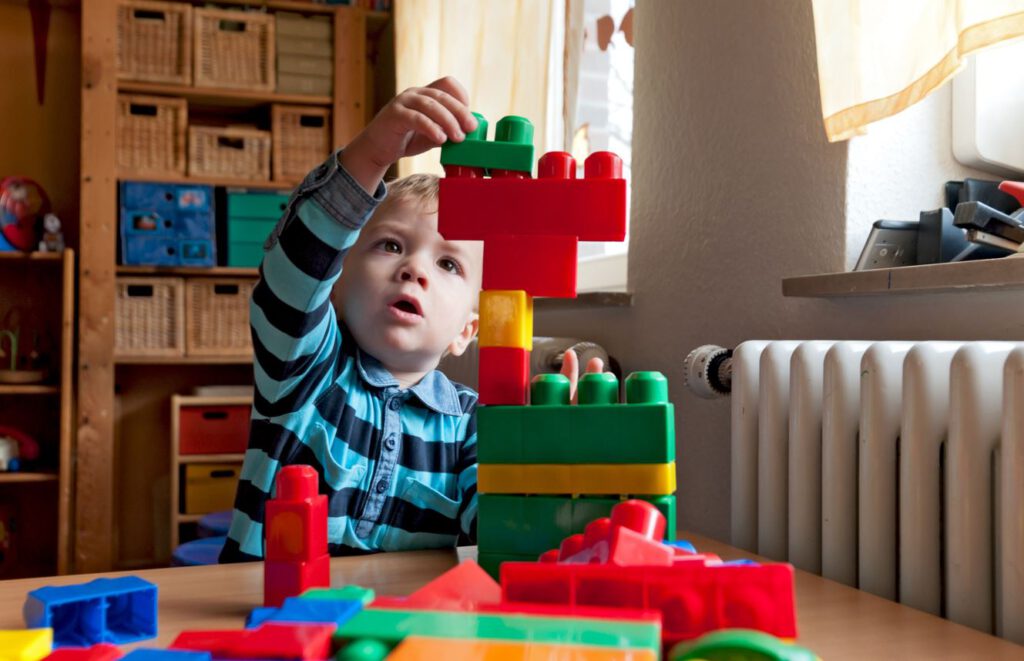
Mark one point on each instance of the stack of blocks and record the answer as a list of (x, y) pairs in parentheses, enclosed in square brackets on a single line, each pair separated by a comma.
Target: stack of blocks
[(296, 537), (547, 469)]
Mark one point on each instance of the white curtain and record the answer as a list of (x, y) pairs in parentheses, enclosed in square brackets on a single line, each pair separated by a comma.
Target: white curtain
[(877, 57), (507, 54)]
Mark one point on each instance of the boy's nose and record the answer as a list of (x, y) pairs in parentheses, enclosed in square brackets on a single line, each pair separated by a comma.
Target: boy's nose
[(412, 273)]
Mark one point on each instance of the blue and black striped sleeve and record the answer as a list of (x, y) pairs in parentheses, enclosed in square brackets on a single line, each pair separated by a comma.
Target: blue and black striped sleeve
[(466, 470)]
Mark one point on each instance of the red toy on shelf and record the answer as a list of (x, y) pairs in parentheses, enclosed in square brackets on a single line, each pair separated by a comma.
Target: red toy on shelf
[(296, 537)]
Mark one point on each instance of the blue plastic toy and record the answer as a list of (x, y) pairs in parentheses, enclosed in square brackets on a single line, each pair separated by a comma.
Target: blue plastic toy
[(309, 611), (149, 654), (105, 610)]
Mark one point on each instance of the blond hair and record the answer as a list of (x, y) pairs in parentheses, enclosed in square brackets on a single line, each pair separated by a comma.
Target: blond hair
[(419, 188)]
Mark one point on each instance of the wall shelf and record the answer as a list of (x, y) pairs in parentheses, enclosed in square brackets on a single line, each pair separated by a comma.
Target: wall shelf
[(183, 360), (210, 458), (21, 478), (227, 183), (979, 275), (27, 389), (221, 97), (212, 272), (7, 256)]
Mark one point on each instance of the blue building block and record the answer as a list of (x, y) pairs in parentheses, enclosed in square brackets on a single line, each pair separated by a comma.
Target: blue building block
[(309, 611), (149, 654), (682, 544), (105, 610)]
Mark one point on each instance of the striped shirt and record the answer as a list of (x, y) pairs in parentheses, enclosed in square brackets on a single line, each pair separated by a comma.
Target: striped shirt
[(398, 466)]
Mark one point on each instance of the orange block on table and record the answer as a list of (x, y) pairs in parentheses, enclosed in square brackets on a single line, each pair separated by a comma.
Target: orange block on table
[(415, 648)]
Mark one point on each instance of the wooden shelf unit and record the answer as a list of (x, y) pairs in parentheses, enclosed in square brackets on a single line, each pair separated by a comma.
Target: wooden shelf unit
[(55, 311), (178, 460), (193, 271), (126, 398)]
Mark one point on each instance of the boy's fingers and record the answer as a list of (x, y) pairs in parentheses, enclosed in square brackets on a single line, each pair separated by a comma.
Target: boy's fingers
[(437, 113), (456, 107), (595, 366), (452, 86), (424, 125), (571, 370)]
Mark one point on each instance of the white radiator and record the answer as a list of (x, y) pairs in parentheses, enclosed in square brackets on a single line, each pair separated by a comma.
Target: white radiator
[(895, 467)]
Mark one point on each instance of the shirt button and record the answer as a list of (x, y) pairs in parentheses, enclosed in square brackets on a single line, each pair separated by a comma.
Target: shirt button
[(389, 443), (382, 486), (394, 404)]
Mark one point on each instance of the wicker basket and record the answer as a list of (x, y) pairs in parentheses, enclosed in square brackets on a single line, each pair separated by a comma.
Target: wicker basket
[(234, 49), (154, 41), (149, 317), (218, 317), (302, 140), (151, 133), (233, 153)]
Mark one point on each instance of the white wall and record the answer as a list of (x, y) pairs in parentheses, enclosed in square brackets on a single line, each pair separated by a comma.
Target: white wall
[(734, 188)]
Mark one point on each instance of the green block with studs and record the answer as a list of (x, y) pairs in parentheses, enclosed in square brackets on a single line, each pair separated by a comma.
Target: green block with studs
[(531, 525), (394, 625), (346, 593), (597, 431), (511, 149)]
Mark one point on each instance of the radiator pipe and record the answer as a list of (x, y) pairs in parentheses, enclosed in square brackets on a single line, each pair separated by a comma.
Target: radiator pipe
[(707, 371)]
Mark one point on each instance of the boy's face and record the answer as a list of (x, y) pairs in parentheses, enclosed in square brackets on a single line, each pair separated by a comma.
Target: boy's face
[(406, 293)]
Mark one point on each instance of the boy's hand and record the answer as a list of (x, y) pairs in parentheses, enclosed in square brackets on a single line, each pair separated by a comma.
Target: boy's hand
[(418, 119), (571, 369)]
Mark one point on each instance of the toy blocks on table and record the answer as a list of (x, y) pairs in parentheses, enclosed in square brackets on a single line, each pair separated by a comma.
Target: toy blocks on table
[(269, 641), (148, 654), (491, 561), (28, 645), (101, 652), (504, 374), (394, 625), (591, 209), (631, 536), (540, 265), (346, 593), (104, 610), (462, 587), (739, 644), (417, 648), (506, 319), (642, 431), (296, 536), (310, 611), (694, 597), (530, 525), (641, 479), (511, 149)]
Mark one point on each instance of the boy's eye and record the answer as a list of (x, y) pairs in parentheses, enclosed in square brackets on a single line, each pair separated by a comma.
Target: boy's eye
[(449, 265), (390, 245)]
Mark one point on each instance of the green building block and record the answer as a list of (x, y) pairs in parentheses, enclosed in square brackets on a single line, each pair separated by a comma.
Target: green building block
[(739, 645), (531, 525), (594, 434), (347, 593), (490, 561), (511, 149), (364, 649), (391, 626)]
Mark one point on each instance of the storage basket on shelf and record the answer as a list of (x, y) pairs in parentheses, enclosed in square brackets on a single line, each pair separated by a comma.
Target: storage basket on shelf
[(154, 41), (305, 54), (151, 133), (232, 152), (149, 317), (302, 140), (218, 317), (234, 49)]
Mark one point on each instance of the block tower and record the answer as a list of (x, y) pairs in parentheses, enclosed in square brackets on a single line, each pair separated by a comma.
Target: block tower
[(547, 469), (296, 537)]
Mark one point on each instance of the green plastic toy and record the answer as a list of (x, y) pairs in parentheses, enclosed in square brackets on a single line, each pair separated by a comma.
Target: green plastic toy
[(511, 149), (739, 645)]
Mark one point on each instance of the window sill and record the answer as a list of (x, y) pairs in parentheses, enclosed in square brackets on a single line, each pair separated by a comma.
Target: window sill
[(983, 274), (590, 299)]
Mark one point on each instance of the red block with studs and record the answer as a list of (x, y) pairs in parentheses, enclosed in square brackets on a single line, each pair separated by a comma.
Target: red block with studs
[(556, 203), (296, 537), (504, 375), (540, 265), (100, 652), (269, 641)]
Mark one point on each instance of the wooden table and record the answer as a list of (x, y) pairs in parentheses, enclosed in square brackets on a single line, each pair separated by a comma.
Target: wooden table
[(835, 621)]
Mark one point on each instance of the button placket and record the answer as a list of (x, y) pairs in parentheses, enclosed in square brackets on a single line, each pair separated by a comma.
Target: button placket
[(387, 457)]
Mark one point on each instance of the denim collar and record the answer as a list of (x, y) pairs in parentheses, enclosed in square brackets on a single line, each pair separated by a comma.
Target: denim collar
[(434, 389)]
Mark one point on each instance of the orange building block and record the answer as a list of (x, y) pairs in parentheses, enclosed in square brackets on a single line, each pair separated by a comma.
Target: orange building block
[(416, 648)]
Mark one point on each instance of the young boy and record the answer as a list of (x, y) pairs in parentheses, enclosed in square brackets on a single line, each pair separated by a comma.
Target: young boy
[(394, 441)]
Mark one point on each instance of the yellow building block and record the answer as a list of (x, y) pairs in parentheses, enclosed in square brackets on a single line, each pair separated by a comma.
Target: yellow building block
[(506, 319), (25, 644), (415, 648), (635, 479)]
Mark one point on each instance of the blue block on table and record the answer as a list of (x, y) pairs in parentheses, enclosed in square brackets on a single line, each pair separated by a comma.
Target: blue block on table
[(149, 654), (309, 611), (105, 610)]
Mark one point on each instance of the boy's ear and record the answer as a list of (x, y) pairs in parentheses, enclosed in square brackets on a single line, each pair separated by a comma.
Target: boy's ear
[(465, 336)]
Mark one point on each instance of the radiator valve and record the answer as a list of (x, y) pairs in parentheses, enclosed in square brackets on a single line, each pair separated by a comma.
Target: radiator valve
[(707, 371)]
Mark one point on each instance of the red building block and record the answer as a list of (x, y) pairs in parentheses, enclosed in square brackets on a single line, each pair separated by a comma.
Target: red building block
[(269, 641), (101, 652), (631, 536), (504, 375), (591, 209), (693, 598), (462, 587), (540, 265), (296, 537)]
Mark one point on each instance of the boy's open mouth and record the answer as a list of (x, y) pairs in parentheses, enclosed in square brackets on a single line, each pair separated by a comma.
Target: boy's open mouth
[(407, 305)]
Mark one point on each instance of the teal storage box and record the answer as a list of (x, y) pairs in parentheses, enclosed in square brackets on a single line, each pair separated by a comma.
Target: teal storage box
[(251, 217)]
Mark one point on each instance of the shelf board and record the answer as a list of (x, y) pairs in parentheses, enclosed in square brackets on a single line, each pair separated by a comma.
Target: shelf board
[(10, 256), (209, 458), (21, 478), (982, 274), (27, 389), (183, 360), (225, 98), (283, 5), (214, 271), (284, 186)]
